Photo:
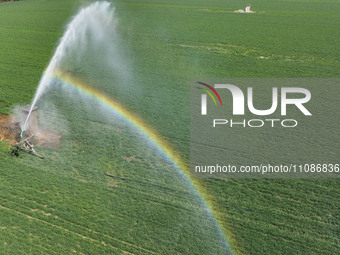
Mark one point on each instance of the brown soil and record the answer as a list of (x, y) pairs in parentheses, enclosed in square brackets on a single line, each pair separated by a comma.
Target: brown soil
[(132, 158), (46, 137), (10, 131)]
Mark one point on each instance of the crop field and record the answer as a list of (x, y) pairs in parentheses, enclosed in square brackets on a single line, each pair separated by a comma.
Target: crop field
[(107, 189)]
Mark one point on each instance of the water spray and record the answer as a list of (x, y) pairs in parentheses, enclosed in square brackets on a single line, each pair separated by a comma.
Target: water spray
[(98, 13)]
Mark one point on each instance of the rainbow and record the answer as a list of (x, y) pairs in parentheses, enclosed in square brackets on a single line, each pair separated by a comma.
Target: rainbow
[(157, 142)]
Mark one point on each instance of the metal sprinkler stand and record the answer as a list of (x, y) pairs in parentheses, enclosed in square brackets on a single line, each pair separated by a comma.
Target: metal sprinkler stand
[(26, 133), (25, 145)]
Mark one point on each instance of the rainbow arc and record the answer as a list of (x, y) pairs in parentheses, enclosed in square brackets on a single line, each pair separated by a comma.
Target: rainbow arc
[(163, 148)]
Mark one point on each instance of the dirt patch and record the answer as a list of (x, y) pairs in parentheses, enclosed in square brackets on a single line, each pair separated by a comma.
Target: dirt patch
[(10, 131), (112, 183), (132, 158), (4, 117), (239, 50), (47, 138)]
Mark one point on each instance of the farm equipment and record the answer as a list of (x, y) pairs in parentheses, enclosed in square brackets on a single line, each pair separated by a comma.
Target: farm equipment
[(25, 139), (25, 145)]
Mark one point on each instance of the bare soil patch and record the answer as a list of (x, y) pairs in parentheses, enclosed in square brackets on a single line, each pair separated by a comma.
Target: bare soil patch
[(10, 131)]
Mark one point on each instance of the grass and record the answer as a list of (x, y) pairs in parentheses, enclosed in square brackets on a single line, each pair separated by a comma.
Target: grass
[(65, 204)]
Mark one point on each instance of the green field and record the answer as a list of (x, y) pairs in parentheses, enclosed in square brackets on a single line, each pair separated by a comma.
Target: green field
[(66, 205)]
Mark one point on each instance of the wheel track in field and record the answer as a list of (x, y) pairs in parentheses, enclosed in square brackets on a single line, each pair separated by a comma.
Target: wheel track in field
[(59, 227), (96, 241), (117, 215)]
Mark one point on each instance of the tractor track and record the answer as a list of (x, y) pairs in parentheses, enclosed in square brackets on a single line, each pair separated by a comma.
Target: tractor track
[(93, 240)]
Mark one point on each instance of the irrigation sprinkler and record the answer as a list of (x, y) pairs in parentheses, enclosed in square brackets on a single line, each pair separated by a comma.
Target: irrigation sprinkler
[(29, 122), (26, 133), (25, 145)]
